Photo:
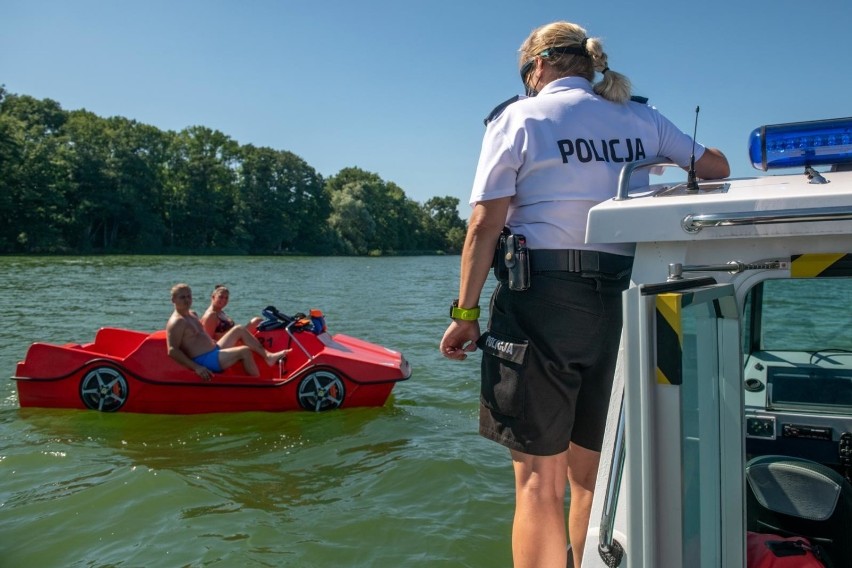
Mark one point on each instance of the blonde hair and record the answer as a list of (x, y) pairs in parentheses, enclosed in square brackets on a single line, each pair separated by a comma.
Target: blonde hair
[(178, 287), (613, 86)]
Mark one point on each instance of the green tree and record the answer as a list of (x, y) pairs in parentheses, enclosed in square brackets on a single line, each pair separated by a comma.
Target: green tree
[(374, 215), (444, 222), (36, 174), (138, 160), (91, 220), (117, 176), (351, 220), (203, 211), (11, 154), (76, 182), (285, 205)]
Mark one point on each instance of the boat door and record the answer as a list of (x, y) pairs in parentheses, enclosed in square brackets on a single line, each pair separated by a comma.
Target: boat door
[(683, 408)]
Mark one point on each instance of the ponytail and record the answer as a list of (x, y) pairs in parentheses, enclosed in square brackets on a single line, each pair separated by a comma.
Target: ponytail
[(613, 86)]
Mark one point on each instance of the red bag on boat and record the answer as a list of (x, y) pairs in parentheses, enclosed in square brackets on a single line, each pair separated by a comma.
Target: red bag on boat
[(773, 551)]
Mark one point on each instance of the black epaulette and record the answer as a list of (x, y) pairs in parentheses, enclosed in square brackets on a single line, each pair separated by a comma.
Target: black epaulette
[(495, 112), (499, 108)]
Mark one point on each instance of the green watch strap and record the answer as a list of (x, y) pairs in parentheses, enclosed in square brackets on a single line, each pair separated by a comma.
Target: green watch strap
[(466, 314)]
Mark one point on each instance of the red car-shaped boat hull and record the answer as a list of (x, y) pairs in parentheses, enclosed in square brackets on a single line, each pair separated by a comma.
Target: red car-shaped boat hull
[(130, 371)]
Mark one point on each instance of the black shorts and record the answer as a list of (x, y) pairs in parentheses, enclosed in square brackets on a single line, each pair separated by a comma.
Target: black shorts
[(548, 361)]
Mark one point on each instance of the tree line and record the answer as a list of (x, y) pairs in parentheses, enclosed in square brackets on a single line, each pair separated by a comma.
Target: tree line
[(72, 182)]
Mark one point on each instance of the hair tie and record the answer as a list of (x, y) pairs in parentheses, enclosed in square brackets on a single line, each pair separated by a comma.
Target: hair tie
[(605, 69), (583, 45)]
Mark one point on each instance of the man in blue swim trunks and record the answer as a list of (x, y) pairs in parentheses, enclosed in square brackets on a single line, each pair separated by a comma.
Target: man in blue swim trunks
[(189, 344), (210, 360)]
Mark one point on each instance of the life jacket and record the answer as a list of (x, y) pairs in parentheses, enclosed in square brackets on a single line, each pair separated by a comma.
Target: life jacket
[(773, 551)]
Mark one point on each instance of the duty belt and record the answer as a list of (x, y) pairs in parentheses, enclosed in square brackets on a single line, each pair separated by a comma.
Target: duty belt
[(573, 260)]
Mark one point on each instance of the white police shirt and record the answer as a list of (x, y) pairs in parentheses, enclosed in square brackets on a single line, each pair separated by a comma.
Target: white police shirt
[(560, 153)]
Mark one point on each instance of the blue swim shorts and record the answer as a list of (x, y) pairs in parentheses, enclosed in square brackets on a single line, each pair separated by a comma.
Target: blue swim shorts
[(210, 360)]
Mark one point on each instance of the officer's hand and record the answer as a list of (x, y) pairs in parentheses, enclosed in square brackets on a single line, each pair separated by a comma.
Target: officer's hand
[(460, 339)]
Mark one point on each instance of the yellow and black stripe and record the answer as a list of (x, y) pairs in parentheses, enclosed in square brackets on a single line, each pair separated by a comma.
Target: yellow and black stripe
[(820, 265), (669, 339)]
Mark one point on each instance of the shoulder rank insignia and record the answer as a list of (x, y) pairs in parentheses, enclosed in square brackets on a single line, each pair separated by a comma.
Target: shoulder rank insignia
[(499, 108)]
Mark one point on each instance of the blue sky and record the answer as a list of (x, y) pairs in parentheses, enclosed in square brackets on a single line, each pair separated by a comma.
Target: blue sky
[(400, 88)]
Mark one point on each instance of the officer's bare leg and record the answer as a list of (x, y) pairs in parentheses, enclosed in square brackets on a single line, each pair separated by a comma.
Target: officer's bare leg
[(582, 472), (538, 532)]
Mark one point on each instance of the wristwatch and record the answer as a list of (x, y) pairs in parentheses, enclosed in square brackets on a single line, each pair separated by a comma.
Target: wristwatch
[(466, 314)]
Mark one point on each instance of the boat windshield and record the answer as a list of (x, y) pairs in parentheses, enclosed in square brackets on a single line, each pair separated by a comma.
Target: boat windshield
[(810, 315)]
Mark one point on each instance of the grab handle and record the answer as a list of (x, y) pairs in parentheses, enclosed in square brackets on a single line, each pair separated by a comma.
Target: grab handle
[(627, 171)]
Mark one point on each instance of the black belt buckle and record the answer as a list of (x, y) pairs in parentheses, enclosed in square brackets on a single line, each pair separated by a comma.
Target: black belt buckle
[(590, 261), (610, 266)]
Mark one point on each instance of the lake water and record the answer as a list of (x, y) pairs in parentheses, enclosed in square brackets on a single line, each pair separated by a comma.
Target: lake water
[(408, 484)]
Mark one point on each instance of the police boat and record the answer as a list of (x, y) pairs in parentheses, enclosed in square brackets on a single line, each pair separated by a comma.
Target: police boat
[(130, 371), (729, 432)]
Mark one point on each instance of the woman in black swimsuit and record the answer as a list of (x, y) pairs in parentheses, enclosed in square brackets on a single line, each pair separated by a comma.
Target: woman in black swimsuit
[(216, 322)]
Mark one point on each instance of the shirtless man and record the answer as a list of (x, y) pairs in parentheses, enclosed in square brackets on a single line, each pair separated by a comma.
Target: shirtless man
[(189, 344)]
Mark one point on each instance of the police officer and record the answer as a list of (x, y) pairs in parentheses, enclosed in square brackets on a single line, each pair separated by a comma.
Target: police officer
[(549, 352)]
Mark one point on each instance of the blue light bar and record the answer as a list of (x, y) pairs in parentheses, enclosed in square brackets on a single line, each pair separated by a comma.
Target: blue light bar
[(814, 143)]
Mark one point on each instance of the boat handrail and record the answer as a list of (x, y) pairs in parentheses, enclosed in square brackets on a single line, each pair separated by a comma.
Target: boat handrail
[(694, 223), (628, 169), (297, 342), (676, 269), (608, 547)]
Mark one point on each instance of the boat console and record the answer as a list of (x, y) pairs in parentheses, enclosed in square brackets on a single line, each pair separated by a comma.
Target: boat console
[(797, 370), (798, 409)]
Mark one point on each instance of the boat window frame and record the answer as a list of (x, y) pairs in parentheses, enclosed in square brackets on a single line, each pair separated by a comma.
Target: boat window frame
[(649, 427)]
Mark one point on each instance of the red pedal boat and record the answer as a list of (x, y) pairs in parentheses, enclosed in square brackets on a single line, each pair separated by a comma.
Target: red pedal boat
[(130, 371)]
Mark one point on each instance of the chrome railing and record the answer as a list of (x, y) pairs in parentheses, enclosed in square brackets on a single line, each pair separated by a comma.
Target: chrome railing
[(694, 223), (628, 169), (607, 546)]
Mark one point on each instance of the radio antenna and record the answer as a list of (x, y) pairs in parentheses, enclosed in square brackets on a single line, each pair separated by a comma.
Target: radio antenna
[(691, 182)]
